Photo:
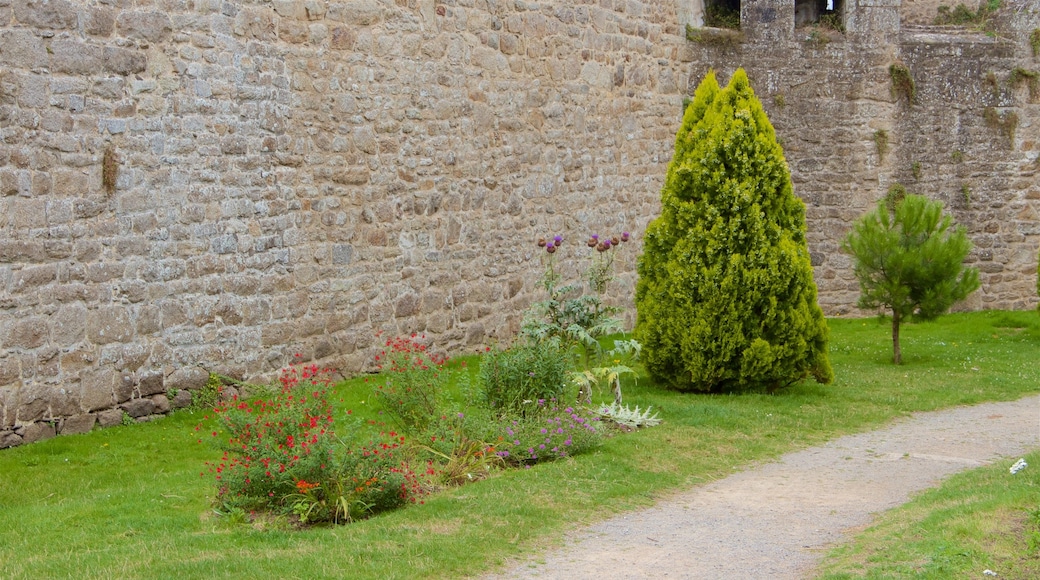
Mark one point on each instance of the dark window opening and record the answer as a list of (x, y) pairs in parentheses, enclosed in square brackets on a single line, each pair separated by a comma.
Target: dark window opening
[(722, 13), (825, 13)]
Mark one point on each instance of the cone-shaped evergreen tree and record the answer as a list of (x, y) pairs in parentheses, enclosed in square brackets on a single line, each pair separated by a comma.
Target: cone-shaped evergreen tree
[(726, 297)]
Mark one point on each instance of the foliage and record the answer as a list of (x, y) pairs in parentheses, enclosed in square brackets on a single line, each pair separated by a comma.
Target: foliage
[(903, 82), (281, 455), (909, 259), (208, 396), (575, 314), (725, 296), (456, 443), (624, 353), (547, 432), (881, 143), (1006, 122), (1021, 75), (720, 15), (1034, 42), (633, 418), (961, 15), (158, 522), (514, 379), (413, 379), (718, 37)]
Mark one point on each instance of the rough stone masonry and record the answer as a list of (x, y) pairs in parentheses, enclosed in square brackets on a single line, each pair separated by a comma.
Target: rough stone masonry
[(197, 185)]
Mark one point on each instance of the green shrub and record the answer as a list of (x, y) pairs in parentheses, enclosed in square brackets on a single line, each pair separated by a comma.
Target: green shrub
[(515, 379), (909, 258), (726, 297)]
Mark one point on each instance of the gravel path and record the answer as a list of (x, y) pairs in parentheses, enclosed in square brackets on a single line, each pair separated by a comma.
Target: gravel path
[(776, 520)]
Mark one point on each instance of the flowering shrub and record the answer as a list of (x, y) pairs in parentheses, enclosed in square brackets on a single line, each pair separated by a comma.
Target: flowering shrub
[(281, 454), (547, 434), (413, 379)]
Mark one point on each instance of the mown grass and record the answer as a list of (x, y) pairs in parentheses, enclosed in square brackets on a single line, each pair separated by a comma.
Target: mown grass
[(130, 501), (984, 519)]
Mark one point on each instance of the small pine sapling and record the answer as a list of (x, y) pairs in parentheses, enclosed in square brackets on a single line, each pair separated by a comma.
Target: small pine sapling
[(909, 259)]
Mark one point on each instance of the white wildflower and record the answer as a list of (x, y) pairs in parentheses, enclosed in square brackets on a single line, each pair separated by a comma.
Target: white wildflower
[(1018, 466), (989, 573)]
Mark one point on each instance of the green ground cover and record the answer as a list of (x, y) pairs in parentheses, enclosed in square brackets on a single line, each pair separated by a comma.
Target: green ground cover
[(132, 501)]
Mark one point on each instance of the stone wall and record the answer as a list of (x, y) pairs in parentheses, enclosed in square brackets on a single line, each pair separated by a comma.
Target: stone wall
[(195, 185)]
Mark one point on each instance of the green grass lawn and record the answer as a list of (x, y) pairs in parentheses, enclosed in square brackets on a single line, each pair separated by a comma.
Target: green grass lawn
[(130, 501)]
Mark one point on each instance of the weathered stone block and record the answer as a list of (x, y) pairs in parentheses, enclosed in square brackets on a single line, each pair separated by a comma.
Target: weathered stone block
[(9, 439), (53, 14), (122, 61), (22, 49), (161, 404), (25, 333), (187, 378), (151, 383), (38, 432), (110, 417), (181, 400), (109, 324), (97, 388), (76, 58), (78, 424), (356, 12), (98, 21), (149, 26), (138, 407)]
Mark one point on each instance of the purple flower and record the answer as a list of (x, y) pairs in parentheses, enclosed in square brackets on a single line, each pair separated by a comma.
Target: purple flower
[(544, 431), (542, 446), (558, 239)]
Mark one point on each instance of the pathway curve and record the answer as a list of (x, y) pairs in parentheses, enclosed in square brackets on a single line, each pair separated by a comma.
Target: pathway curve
[(777, 520)]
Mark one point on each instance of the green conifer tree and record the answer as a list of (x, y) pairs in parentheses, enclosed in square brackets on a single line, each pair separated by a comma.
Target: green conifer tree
[(909, 258), (726, 297)]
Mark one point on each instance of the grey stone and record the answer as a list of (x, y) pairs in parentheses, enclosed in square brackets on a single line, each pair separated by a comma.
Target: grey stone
[(151, 383), (38, 432), (78, 424), (181, 400), (150, 26), (109, 324), (122, 61), (187, 378), (76, 58), (97, 388), (9, 439), (110, 417), (22, 49), (52, 14), (138, 407), (162, 404), (98, 21)]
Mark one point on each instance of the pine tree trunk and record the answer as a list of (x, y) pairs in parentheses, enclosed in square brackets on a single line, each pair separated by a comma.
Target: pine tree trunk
[(897, 355)]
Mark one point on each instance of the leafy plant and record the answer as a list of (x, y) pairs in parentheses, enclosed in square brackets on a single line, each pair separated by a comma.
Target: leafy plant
[(575, 314), (961, 15), (881, 143), (633, 418), (513, 380), (622, 355), (127, 420), (1006, 122), (1034, 42), (413, 379), (1021, 75), (908, 259), (915, 169), (281, 455), (721, 15), (547, 433), (725, 296), (903, 82)]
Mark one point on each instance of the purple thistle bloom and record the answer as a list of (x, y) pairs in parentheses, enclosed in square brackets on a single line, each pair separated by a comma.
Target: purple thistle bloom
[(595, 236), (558, 239)]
